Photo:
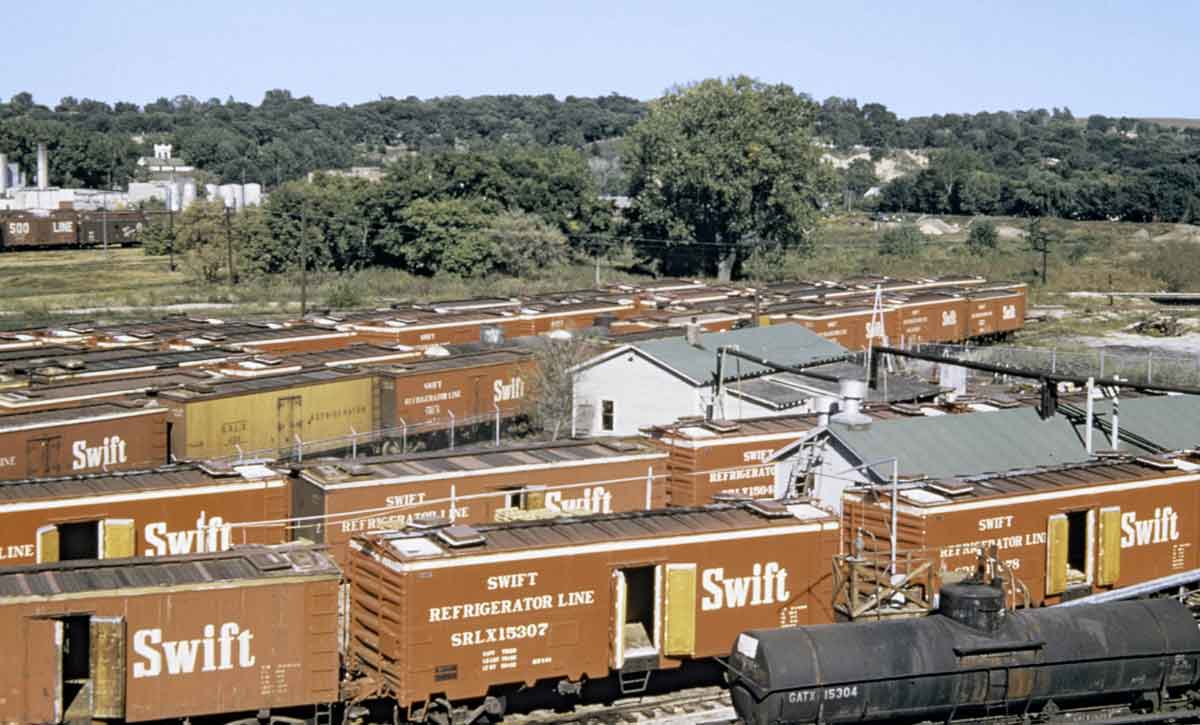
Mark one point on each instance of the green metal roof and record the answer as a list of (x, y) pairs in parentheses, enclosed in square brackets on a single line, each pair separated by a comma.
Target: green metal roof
[(968, 444), (788, 344), (1172, 422)]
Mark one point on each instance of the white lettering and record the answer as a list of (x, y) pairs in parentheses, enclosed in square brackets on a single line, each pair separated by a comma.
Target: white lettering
[(181, 654), (209, 536), (1161, 528), (766, 584), (514, 389), (595, 500), (111, 451)]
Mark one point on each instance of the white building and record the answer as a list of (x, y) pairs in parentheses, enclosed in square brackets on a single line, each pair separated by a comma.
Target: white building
[(659, 381)]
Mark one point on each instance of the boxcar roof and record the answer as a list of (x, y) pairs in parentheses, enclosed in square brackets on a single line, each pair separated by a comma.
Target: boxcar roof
[(83, 414), (165, 478), (241, 564), (477, 459), (724, 520), (455, 362), (219, 388), (68, 391), (1115, 470)]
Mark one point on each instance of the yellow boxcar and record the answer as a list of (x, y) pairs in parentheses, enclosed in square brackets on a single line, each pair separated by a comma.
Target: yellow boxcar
[(263, 416)]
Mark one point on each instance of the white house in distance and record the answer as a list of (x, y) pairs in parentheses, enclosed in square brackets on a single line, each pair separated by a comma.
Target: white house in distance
[(659, 381)]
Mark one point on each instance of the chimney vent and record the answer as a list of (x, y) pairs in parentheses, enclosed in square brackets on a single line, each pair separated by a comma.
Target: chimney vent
[(691, 331), (851, 414)]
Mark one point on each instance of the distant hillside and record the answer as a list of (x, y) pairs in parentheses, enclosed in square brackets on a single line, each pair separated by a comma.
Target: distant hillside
[(1175, 122)]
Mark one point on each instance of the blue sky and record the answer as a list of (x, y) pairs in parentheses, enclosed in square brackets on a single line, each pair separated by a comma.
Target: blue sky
[(1118, 58)]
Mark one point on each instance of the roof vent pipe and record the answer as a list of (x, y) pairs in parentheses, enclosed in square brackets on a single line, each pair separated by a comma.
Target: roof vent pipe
[(43, 162), (824, 405), (851, 415), (691, 332)]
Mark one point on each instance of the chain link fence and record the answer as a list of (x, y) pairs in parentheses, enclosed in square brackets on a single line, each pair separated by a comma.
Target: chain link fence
[(434, 435), (1146, 367)]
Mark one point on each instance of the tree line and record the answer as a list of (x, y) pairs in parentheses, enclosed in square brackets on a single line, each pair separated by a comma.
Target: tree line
[(285, 137), (1029, 163)]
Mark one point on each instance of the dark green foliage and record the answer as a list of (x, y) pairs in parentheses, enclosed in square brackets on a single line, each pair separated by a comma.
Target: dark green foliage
[(722, 164), (902, 241), (983, 236), (286, 137)]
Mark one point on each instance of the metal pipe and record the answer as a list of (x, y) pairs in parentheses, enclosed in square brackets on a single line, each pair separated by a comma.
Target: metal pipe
[(895, 510), (1091, 386), (1034, 374), (1116, 423), (353, 443), (1137, 591), (797, 369), (403, 437), (299, 449)]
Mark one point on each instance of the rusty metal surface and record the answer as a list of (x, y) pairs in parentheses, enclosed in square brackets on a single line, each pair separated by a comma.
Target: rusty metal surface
[(1139, 512), (201, 635), (541, 601)]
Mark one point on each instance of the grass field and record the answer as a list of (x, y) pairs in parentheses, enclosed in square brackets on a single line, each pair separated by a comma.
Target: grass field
[(1100, 256)]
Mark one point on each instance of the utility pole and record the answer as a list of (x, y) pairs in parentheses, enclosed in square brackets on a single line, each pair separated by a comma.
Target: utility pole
[(104, 226), (229, 247), (303, 263), (171, 234)]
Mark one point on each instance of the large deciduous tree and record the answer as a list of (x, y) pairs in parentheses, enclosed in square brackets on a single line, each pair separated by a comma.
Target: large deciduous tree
[(721, 164)]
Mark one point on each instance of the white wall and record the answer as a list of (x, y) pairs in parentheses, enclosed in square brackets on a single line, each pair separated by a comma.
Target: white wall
[(831, 475), (643, 394)]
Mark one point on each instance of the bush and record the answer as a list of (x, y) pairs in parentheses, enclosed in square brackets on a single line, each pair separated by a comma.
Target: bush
[(983, 236), (344, 293), (902, 241)]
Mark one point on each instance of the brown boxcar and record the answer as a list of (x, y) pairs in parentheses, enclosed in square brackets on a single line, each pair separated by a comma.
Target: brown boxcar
[(711, 458), (468, 612), (477, 486), (169, 510), (985, 312), (75, 394), (91, 439), (241, 633), (930, 318), (110, 227), (1095, 526), (458, 390), (423, 329)]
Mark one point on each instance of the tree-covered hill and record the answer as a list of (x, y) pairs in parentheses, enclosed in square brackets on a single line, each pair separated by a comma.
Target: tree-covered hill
[(1027, 163)]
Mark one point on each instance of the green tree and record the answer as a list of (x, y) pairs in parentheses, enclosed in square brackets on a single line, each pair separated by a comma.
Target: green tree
[(722, 164), (526, 246), (902, 241), (983, 236), (200, 237), (448, 236), (858, 178), (1039, 240)]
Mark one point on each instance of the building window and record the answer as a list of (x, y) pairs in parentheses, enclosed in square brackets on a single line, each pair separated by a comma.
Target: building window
[(606, 415)]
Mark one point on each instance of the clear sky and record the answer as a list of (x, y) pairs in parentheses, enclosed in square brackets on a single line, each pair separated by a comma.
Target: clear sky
[(1116, 58)]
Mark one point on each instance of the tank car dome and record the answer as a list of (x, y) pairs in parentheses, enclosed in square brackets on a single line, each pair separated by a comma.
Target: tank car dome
[(976, 604)]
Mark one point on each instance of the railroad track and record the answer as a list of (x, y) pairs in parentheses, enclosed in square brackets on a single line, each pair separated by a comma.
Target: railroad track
[(695, 706)]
